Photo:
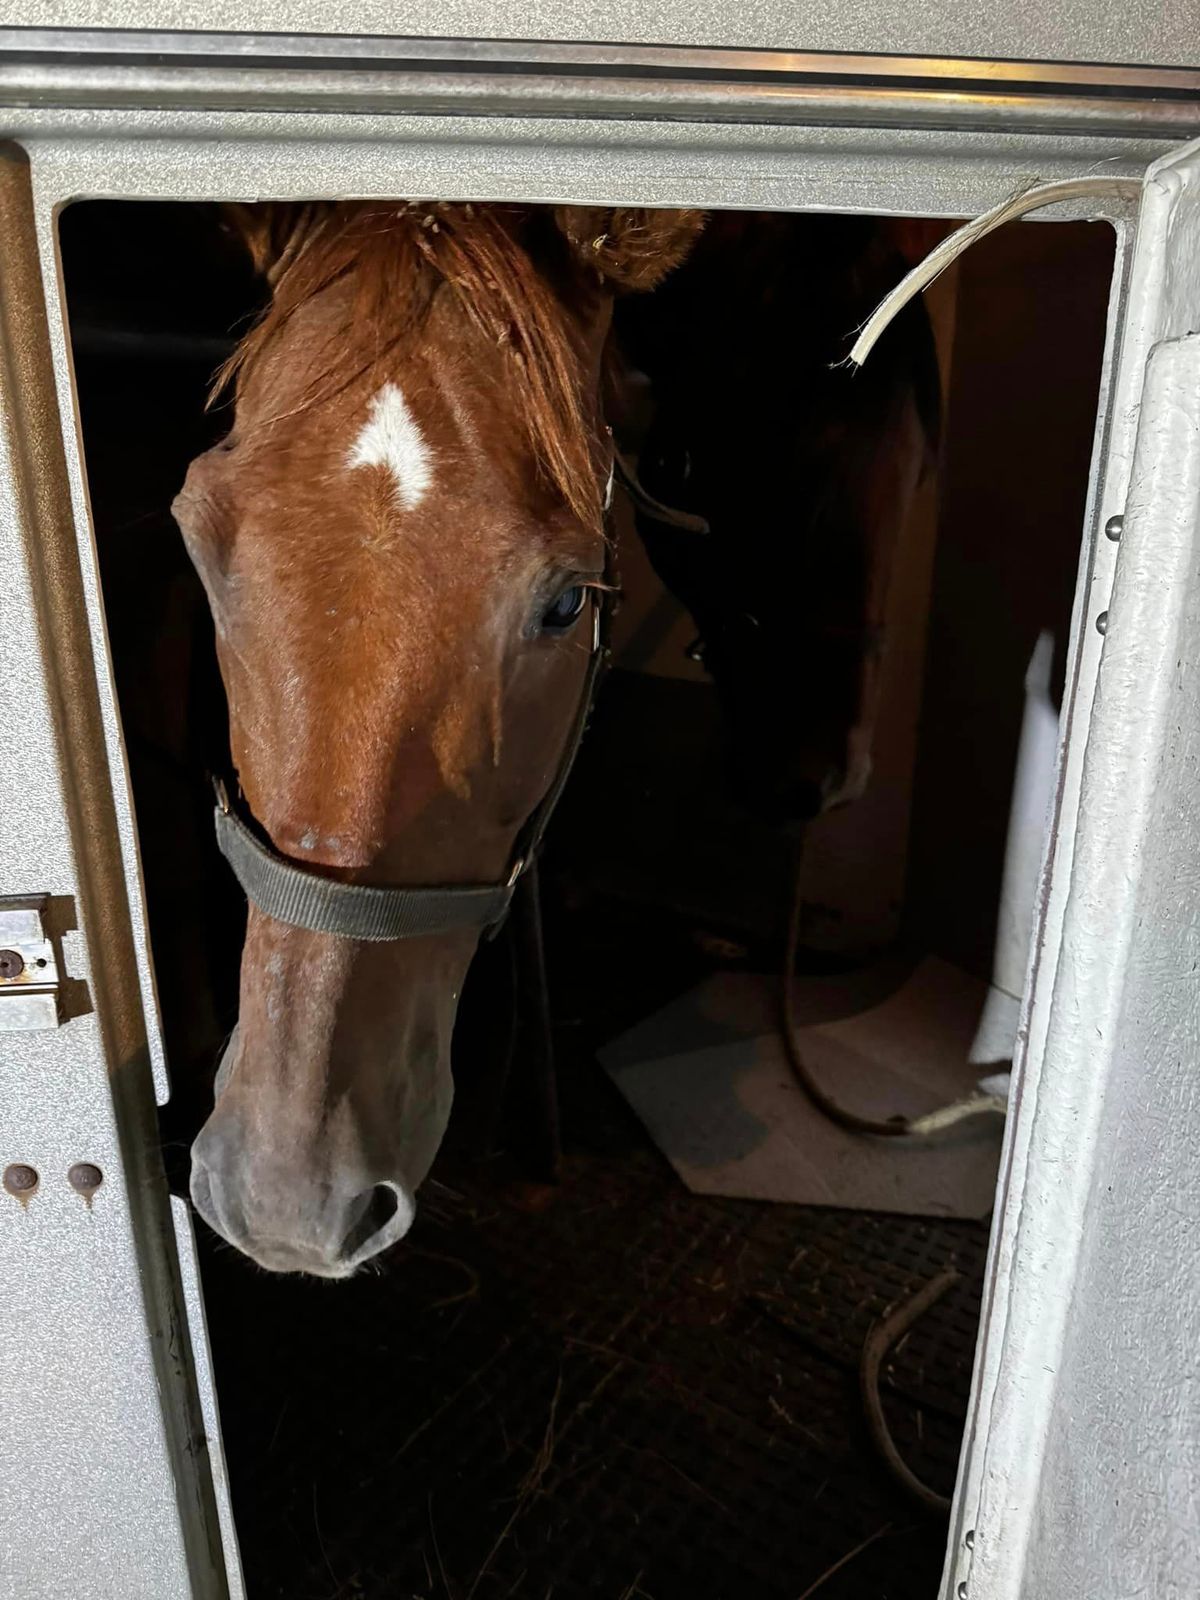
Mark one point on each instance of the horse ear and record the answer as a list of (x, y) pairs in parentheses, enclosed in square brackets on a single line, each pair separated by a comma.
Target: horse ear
[(631, 247), (273, 232)]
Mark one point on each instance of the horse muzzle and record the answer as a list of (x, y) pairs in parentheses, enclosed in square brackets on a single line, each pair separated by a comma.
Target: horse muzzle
[(328, 1234)]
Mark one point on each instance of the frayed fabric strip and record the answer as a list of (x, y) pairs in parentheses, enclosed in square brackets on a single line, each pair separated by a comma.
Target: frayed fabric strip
[(953, 246)]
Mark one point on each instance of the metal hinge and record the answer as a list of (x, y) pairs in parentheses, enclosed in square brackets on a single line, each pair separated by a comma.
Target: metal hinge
[(28, 967)]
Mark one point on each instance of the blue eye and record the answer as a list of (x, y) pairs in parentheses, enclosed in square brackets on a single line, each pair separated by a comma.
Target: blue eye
[(565, 609)]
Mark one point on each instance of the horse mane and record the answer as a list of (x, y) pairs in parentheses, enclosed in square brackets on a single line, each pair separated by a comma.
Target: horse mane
[(398, 255)]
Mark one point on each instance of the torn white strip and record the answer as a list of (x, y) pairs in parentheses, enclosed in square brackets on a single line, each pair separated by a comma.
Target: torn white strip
[(938, 259)]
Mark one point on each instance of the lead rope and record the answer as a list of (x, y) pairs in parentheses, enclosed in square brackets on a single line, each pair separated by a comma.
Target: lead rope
[(894, 1324), (884, 1336), (944, 1117)]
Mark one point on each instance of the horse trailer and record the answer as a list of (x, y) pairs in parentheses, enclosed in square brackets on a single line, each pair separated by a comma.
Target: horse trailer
[(1079, 1466)]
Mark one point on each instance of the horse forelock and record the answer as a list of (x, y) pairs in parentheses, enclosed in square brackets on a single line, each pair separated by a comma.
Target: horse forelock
[(390, 261)]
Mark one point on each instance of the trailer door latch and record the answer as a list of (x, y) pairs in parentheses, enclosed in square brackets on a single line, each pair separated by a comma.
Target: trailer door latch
[(28, 967)]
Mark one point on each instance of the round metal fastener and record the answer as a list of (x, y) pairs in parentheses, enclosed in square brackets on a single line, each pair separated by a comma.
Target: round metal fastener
[(1102, 622), (969, 1538), (961, 1591), (1113, 527), (12, 963), (20, 1180), (85, 1177)]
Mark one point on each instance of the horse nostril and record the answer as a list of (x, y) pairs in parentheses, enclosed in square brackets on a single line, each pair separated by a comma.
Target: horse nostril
[(380, 1207)]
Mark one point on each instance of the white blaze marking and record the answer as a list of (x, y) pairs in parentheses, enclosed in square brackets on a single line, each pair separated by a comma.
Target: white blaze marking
[(392, 438)]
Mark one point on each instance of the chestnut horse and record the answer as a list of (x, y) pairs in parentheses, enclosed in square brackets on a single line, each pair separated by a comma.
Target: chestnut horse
[(401, 540)]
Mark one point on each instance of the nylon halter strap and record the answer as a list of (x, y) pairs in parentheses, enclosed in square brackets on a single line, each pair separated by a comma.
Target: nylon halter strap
[(304, 897)]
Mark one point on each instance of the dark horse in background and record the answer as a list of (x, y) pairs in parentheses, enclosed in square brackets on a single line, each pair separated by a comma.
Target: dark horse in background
[(804, 471)]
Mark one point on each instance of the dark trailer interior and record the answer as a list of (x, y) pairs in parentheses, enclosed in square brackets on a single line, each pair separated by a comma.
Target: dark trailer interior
[(578, 1376)]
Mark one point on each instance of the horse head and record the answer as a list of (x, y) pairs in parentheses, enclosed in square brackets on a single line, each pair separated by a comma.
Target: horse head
[(804, 472), (401, 540)]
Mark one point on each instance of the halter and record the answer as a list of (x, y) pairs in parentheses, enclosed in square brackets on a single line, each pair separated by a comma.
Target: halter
[(304, 897)]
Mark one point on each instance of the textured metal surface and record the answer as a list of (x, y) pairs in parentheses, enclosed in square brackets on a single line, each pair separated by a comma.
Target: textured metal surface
[(117, 46), (475, 94), (1082, 1416), (189, 1272), (104, 1475), (473, 77), (170, 155), (1123, 1440), (1154, 31)]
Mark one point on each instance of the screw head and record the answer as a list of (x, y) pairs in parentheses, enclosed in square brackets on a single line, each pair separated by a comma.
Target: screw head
[(12, 963), (1113, 528), (961, 1591), (20, 1180), (1102, 622), (969, 1538), (85, 1177)]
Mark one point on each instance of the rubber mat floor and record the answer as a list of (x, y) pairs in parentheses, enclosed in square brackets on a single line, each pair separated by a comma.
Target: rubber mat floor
[(604, 1388)]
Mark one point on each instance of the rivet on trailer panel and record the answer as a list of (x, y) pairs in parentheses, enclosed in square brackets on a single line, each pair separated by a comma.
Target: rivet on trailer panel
[(12, 964), (21, 1181), (85, 1178)]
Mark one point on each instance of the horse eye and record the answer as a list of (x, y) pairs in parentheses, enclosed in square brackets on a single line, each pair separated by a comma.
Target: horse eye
[(564, 610)]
